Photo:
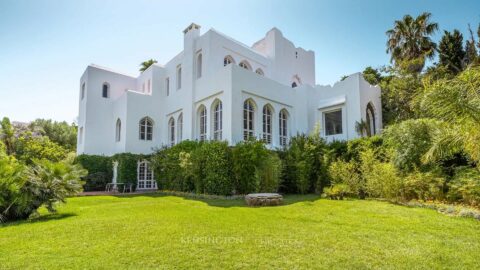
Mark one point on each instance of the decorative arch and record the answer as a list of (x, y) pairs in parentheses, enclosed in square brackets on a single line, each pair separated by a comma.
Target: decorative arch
[(180, 127), (259, 71), (267, 123), (244, 64), (283, 117), (217, 117), (171, 131), (371, 120), (249, 108), (105, 90), (202, 122), (227, 60), (146, 129)]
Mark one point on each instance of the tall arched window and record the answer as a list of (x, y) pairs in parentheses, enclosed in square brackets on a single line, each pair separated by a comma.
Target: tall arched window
[(248, 119), (202, 121), (118, 130), (105, 90), (171, 131), (217, 120), (228, 60), (199, 65), (179, 77), (283, 128), (179, 128), (267, 124), (259, 71), (145, 176), (83, 91), (244, 64), (146, 129), (371, 130)]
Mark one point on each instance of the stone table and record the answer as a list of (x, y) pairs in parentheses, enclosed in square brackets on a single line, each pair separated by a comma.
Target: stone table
[(264, 199)]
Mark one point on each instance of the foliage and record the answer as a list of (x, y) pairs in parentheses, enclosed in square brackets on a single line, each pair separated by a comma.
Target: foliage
[(127, 167), (450, 51), (99, 171), (346, 173), (465, 186), (410, 40), (337, 191), (471, 54), (426, 186), (372, 76), (11, 182), (269, 173), (381, 178), (29, 148), (61, 133), (7, 135), (145, 65)]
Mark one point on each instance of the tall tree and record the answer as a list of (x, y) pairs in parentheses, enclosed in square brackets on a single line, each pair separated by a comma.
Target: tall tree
[(7, 134), (450, 51), (61, 133), (147, 64), (409, 41), (471, 55)]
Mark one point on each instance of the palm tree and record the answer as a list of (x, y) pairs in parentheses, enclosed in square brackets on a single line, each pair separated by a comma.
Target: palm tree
[(409, 40), (147, 64)]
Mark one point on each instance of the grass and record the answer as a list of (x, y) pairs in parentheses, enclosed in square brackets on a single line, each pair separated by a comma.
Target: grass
[(164, 232)]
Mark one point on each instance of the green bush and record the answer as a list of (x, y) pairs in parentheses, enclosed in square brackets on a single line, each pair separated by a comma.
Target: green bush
[(127, 167), (465, 186), (337, 191), (212, 168), (248, 158), (381, 178), (347, 173), (269, 173), (100, 171), (424, 186)]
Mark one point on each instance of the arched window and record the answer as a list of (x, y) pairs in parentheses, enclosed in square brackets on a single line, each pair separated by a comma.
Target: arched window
[(145, 176), (83, 91), (244, 64), (171, 131), (179, 77), (267, 124), (202, 121), (259, 71), (105, 90), (283, 128), (371, 130), (248, 119), (296, 81), (199, 65), (118, 130), (217, 121), (146, 129), (179, 128), (294, 84), (228, 60)]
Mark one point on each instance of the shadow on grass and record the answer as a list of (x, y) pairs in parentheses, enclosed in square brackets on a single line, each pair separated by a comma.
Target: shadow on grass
[(224, 202), (42, 218)]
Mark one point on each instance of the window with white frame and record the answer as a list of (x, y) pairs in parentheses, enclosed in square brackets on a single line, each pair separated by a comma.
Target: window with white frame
[(179, 127), (199, 65), (145, 176), (105, 90), (333, 122), (83, 91), (202, 117), (146, 129), (228, 60), (267, 124), (283, 127), (171, 131), (167, 85), (217, 121), (179, 77), (248, 119), (118, 130)]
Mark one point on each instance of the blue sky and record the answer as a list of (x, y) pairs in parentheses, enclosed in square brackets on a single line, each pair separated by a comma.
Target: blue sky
[(46, 45)]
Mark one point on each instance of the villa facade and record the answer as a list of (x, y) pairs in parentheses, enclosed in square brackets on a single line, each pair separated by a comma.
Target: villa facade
[(220, 89)]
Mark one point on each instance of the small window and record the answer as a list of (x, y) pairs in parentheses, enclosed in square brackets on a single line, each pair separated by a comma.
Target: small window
[(333, 122), (245, 65), (228, 60), (171, 131), (259, 71), (83, 91), (105, 90), (199, 65), (146, 129), (179, 77), (179, 128), (283, 128), (294, 84), (118, 130), (248, 119), (267, 124), (167, 85), (296, 54), (217, 121)]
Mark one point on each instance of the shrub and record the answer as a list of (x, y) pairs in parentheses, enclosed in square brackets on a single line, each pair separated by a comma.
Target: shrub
[(29, 148), (100, 171), (381, 178), (424, 185), (127, 167), (346, 173), (248, 157), (465, 186), (337, 191), (269, 173)]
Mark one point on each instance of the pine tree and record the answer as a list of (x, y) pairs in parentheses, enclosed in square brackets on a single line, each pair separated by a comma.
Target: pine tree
[(451, 51)]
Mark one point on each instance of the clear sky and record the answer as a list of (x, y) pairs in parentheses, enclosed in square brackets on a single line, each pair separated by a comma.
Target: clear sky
[(45, 45)]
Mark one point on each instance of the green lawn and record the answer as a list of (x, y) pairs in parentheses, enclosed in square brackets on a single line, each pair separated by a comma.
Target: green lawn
[(150, 232)]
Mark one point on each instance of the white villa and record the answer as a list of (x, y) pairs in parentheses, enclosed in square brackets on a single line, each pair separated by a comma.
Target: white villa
[(217, 88)]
